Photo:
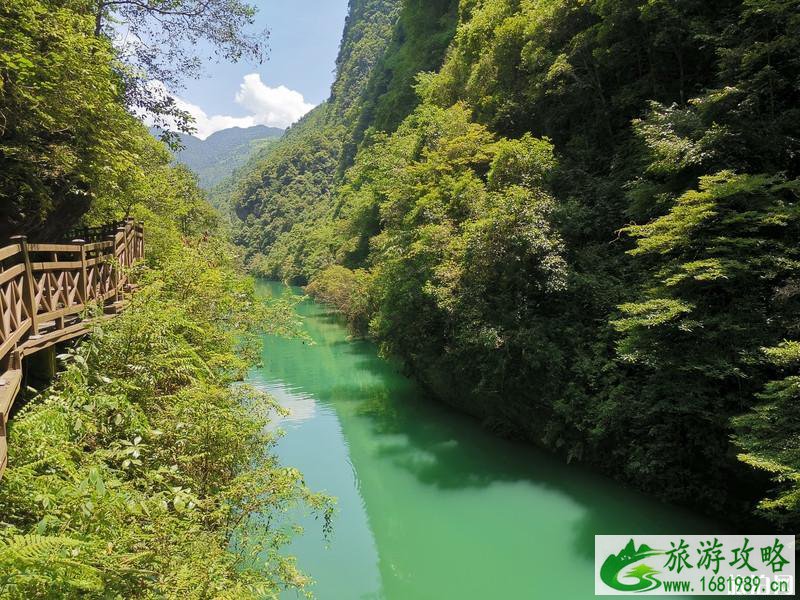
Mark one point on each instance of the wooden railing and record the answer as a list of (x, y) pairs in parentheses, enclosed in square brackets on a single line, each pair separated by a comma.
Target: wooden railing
[(46, 291)]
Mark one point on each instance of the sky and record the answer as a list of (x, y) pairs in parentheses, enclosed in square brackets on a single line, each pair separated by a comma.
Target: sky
[(303, 44)]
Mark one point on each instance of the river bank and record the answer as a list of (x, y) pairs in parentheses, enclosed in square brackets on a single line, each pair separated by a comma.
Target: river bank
[(430, 504)]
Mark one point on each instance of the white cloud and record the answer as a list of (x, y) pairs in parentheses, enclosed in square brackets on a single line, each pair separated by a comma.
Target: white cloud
[(206, 125), (274, 107)]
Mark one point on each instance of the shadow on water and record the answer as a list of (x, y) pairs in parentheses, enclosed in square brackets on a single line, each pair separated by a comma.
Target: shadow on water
[(437, 488), (450, 451)]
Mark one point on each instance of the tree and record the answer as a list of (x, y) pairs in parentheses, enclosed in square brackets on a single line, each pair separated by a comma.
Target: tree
[(65, 136), (154, 38), (769, 435)]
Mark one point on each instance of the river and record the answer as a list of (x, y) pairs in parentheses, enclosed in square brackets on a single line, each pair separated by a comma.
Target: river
[(430, 506)]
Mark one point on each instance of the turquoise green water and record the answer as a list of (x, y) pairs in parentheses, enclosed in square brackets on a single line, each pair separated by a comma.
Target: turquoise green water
[(430, 506)]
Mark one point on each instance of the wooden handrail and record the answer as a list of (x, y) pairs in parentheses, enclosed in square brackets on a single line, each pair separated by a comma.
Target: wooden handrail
[(45, 289)]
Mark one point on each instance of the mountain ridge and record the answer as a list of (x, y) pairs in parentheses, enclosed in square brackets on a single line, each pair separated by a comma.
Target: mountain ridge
[(223, 152)]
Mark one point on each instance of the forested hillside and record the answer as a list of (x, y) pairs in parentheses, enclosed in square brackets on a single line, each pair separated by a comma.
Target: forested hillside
[(577, 220), (135, 473), (302, 169), (223, 152)]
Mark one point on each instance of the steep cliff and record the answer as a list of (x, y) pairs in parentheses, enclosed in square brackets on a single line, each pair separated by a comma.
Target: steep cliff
[(577, 220), (282, 199)]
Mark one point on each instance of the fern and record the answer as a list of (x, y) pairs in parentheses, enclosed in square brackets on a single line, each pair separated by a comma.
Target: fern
[(123, 474), (56, 556)]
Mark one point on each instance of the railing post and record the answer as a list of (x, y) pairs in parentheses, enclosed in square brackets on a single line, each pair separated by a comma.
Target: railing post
[(83, 280), (15, 359), (130, 240), (141, 239), (112, 257), (120, 259), (3, 445), (57, 286), (28, 284)]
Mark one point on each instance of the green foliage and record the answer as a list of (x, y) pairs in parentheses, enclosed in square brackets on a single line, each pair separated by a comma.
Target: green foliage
[(770, 436), (420, 37), (68, 144), (461, 215), (224, 152), (348, 291), (166, 197), (132, 476), (584, 233), (284, 201), (137, 474), (717, 257), (273, 198), (366, 33), (717, 254), (65, 138)]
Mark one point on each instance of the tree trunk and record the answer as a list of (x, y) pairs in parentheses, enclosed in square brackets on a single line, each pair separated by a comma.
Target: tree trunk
[(98, 19)]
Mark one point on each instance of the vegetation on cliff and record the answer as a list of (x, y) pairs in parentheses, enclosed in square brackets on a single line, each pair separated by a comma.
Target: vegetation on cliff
[(586, 233), (136, 473)]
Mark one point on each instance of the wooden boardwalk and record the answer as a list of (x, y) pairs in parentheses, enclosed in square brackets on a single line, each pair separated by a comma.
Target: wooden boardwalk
[(45, 291)]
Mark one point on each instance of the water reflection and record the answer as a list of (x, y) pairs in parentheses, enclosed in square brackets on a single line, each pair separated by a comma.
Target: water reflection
[(449, 511)]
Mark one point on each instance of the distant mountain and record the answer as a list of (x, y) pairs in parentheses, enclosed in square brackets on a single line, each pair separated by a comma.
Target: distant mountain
[(221, 193), (223, 152)]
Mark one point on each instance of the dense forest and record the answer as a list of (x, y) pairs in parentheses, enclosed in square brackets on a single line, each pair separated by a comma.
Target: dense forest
[(577, 220), (134, 475), (223, 152)]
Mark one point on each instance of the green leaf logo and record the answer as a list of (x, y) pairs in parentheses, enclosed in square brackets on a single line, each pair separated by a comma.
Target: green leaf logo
[(640, 577)]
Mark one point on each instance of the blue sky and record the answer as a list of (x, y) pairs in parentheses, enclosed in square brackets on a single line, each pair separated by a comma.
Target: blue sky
[(304, 41)]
